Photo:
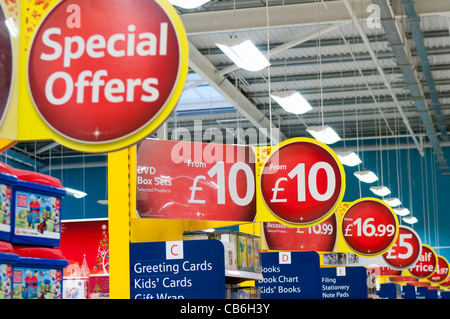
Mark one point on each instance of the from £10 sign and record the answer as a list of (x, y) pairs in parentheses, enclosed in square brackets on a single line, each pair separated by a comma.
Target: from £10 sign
[(369, 227), (6, 63), (302, 182), (406, 250), (104, 74), (426, 265), (195, 181)]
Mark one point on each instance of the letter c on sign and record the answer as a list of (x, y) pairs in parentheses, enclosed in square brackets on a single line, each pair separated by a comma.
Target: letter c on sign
[(174, 250)]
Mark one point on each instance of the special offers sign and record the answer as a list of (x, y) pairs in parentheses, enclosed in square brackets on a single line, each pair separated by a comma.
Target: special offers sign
[(103, 74)]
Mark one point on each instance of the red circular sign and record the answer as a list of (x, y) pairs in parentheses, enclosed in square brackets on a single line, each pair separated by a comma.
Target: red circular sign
[(319, 237), (442, 271), (302, 182), (102, 70), (406, 250), (5, 64), (369, 227), (426, 265)]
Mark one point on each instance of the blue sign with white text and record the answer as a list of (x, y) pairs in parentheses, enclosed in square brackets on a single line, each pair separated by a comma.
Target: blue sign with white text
[(177, 270), (409, 292), (344, 283), (290, 275)]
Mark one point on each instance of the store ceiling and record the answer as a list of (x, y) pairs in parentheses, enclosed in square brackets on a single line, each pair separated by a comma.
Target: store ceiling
[(364, 81)]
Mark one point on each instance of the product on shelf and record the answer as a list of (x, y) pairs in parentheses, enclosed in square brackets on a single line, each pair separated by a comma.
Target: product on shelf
[(229, 241), (7, 182), (237, 292), (36, 213), (7, 260), (256, 254), (38, 273), (250, 253), (242, 252)]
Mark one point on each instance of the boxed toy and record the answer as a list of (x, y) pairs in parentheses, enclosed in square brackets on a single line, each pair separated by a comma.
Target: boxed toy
[(36, 209), (38, 273), (7, 259), (229, 241), (242, 252), (250, 253), (7, 181), (256, 254)]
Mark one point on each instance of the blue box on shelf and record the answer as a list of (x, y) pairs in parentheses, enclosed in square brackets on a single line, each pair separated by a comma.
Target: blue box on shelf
[(38, 273), (36, 214), (7, 181), (7, 260)]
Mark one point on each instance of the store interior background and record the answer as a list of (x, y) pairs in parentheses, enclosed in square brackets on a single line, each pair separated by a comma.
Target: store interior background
[(326, 69)]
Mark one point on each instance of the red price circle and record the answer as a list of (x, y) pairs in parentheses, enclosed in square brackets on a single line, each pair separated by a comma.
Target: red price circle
[(442, 271), (319, 237), (113, 76), (426, 265), (369, 227), (6, 69), (406, 250), (302, 182)]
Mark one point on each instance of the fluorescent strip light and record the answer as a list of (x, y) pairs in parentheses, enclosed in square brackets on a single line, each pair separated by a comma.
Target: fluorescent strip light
[(324, 134), (402, 211), (366, 176), (410, 220), (380, 190), (75, 193), (349, 158), (392, 201), (292, 101), (188, 4), (243, 53)]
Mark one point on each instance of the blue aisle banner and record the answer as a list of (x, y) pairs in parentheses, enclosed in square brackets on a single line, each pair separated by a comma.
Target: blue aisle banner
[(421, 292), (177, 270), (290, 275), (343, 283), (409, 292), (445, 295), (389, 291)]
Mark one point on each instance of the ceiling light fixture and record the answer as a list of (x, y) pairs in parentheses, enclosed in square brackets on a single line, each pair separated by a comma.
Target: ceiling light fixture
[(188, 4), (324, 134), (380, 190), (366, 176), (292, 101), (410, 220), (349, 158), (402, 211), (243, 53), (392, 201), (75, 193)]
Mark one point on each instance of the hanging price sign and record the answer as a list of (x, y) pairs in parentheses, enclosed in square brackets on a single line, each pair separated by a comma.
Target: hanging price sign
[(442, 271), (302, 182), (406, 250), (320, 237), (426, 265), (6, 62), (369, 227)]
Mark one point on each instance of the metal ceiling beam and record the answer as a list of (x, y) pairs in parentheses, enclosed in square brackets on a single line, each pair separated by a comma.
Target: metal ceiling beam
[(402, 54), (202, 66), (204, 22), (386, 81), (414, 22)]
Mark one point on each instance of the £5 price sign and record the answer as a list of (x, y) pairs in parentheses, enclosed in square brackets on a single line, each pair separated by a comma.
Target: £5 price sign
[(406, 250), (302, 182), (104, 74), (369, 227), (426, 265)]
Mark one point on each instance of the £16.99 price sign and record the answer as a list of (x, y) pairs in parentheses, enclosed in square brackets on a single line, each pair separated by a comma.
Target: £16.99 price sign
[(302, 182), (369, 227), (104, 74)]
